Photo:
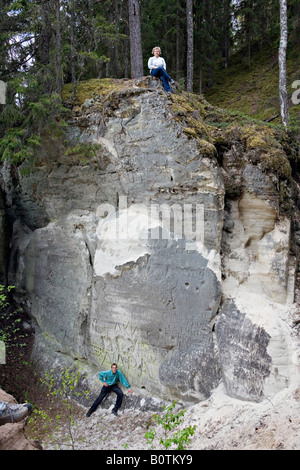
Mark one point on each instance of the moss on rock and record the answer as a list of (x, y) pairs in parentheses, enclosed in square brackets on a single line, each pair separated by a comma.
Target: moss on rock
[(89, 89), (216, 130)]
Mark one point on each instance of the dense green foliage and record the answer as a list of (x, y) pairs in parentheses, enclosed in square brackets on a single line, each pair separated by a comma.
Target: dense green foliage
[(81, 39), (9, 320), (46, 44)]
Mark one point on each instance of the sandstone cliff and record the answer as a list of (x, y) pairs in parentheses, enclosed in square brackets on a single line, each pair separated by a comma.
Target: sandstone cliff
[(162, 236)]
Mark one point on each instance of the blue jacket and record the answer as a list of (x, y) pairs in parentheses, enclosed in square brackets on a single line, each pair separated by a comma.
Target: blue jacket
[(111, 379)]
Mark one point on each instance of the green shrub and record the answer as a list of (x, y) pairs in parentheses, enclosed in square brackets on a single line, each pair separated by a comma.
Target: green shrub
[(170, 422)]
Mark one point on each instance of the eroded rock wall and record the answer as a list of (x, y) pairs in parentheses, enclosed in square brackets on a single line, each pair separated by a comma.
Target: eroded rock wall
[(109, 274)]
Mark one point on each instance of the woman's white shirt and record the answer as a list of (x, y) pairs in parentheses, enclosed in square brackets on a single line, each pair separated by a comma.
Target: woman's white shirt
[(156, 62)]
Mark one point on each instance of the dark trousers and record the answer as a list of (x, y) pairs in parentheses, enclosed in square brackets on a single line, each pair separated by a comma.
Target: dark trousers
[(103, 393), (161, 73)]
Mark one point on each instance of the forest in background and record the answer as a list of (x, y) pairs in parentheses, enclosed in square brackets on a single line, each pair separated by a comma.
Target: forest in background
[(60, 41), (46, 44)]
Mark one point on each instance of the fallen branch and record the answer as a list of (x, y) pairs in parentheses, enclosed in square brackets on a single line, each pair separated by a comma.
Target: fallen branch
[(272, 118)]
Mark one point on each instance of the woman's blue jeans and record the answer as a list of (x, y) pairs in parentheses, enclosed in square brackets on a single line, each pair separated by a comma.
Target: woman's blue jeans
[(161, 73)]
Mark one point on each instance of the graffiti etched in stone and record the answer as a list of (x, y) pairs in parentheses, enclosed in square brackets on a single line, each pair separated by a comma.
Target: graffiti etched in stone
[(123, 345)]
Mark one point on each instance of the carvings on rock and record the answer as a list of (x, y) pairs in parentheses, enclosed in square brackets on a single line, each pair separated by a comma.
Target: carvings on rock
[(168, 311)]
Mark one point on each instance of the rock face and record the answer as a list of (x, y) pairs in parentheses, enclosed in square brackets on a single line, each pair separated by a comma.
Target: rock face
[(133, 253)]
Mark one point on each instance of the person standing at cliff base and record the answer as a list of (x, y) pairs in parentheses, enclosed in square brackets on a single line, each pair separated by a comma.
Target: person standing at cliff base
[(110, 378), (158, 68)]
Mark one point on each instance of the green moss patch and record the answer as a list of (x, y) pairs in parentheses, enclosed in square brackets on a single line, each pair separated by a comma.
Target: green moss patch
[(89, 89)]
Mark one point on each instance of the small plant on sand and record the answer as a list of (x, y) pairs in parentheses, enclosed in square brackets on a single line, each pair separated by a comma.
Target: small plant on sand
[(63, 389), (172, 434)]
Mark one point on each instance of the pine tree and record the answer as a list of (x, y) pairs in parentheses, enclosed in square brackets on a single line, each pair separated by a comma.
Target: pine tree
[(284, 107), (58, 48), (136, 55), (190, 45), (226, 27)]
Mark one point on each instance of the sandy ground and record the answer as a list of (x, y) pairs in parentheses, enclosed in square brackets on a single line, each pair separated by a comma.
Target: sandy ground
[(225, 423), (222, 423)]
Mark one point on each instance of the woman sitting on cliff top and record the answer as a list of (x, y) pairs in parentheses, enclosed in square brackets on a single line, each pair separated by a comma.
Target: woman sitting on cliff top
[(157, 66)]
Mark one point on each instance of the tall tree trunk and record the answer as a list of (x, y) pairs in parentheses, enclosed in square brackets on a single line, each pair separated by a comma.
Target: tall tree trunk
[(126, 47), (284, 105), (126, 59), (249, 41), (58, 64), (73, 47), (136, 55), (226, 30), (200, 79), (45, 45), (178, 47), (190, 45)]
